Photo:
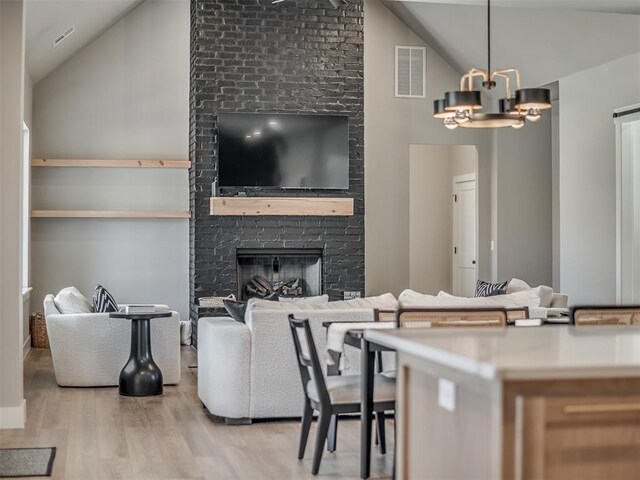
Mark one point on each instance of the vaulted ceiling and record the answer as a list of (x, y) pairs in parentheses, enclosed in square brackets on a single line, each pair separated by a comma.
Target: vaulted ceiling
[(545, 39), (47, 19)]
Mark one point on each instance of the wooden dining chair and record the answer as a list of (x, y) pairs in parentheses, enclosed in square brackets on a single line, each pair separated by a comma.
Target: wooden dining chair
[(331, 395), (603, 315), (419, 317)]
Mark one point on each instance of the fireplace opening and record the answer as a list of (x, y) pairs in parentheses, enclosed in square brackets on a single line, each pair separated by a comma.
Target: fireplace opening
[(291, 272)]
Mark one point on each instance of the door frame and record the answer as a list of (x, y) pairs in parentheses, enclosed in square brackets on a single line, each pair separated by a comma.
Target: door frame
[(469, 177), (623, 172)]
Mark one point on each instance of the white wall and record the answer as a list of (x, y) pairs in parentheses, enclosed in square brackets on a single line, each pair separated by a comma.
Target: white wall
[(12, 411), (587, 176), (126, 95), (391, 126), (432, 168), (524, 202)]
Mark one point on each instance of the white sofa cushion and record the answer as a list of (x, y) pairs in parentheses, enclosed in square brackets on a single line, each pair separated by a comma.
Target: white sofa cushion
[(525, 298), (517, 285), (346, 389), (545, 293), (70, 300), (305, 300), (383, 302)]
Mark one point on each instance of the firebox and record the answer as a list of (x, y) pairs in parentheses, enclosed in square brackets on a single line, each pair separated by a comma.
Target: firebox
[(285, 271)]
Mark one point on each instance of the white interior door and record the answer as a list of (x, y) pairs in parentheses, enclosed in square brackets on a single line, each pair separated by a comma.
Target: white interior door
[(465, 236), (628, 186)]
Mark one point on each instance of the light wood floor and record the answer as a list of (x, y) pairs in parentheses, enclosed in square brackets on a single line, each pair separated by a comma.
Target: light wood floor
[(101, 435)]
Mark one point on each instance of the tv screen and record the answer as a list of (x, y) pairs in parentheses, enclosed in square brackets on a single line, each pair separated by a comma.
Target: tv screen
[(281, 150)]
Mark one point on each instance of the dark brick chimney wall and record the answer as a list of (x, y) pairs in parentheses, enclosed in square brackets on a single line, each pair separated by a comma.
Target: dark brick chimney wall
[(293, 57)]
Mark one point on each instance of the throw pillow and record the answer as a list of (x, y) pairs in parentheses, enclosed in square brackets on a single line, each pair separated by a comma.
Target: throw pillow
[(69, 300), (517, 285), (236, 309), (103, 301), (486, 289)]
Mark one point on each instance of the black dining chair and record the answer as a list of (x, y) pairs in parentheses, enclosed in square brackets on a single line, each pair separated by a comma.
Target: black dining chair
[(331, 395)]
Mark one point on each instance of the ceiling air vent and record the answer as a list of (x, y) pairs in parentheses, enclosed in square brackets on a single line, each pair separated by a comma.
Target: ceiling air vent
[(62, 37), (410, 71)]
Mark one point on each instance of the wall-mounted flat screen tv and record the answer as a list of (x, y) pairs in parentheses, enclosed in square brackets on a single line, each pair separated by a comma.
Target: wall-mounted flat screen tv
[(283, 151)]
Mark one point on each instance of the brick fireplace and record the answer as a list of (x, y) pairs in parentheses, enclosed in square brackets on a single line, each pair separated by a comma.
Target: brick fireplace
[(293, 57)]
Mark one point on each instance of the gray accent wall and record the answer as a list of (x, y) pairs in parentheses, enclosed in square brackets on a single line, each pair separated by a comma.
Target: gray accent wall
[(124, 96)]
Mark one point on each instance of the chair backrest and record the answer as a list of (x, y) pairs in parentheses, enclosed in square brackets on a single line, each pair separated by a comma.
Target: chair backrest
[(599, 315), (307, 355), (452, 317)]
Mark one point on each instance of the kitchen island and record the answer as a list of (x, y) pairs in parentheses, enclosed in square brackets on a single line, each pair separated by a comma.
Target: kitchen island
[(545, 402)]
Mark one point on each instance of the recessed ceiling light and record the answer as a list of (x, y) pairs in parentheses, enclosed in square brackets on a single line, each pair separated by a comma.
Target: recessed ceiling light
[(63, 36), (257, 133)]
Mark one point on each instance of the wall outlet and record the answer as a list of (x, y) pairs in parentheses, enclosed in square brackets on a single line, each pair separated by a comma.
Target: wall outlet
[(493, 245), (447, 394), (347, 295)]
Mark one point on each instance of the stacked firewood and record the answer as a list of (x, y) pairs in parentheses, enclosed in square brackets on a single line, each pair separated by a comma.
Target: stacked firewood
[(260, 287)]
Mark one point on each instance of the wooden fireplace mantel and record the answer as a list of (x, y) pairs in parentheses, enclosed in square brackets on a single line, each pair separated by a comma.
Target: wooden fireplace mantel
[(313, 206)]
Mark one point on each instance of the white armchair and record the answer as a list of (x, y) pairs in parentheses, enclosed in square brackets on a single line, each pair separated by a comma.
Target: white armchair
[(90, 349)]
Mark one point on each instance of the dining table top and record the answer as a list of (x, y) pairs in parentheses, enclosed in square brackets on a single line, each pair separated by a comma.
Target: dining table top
[(523, 353)]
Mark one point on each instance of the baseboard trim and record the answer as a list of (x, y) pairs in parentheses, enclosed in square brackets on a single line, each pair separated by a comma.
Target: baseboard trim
[(26, 347), (13, 417)]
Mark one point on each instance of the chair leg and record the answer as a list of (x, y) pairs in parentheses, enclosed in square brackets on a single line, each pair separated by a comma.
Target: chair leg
[(380, 417), (307, 417), (321, 436), (332, 439)]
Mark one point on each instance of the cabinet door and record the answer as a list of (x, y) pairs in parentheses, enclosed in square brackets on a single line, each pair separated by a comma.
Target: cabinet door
[(578, 437)]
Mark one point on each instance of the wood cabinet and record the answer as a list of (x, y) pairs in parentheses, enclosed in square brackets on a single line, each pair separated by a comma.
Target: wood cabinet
[(569, 428)]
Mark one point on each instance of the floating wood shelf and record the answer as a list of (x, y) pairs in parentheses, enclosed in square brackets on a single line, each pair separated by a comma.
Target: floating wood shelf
[(314, 206), (60, 162), (110, 214)]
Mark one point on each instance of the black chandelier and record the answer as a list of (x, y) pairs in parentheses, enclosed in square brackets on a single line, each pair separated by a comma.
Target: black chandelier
[(460, 108)]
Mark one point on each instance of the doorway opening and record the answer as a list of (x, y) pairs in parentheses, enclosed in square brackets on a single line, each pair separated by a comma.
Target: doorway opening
[(627, 121), (441, 233)]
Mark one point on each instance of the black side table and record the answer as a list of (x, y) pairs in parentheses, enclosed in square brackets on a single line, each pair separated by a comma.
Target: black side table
[(140, 377)]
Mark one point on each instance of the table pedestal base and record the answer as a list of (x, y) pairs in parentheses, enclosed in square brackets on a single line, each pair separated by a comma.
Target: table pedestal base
[(140, 377)]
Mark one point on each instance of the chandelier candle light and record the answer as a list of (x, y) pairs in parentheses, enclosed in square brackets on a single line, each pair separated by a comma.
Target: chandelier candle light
[(460, 108)]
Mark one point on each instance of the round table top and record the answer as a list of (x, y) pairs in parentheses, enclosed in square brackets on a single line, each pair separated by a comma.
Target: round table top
[(140, 316)]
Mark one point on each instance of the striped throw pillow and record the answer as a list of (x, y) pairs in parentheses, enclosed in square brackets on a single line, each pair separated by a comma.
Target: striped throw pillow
[(486, 289), (103, 301)]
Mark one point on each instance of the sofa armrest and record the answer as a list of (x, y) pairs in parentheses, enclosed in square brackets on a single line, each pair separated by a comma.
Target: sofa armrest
[(224, 356)]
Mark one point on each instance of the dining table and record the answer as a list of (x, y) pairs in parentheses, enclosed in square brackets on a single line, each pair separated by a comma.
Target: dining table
[(356, 338)]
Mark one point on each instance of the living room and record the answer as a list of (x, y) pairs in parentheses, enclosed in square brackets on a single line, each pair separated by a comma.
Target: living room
[(202, 158)]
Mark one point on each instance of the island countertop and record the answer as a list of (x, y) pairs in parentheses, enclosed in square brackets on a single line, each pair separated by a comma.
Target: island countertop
[(523, 353)]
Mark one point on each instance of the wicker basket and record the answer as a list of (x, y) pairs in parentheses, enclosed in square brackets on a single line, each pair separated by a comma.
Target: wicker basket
[(39, 337), (215, 302)]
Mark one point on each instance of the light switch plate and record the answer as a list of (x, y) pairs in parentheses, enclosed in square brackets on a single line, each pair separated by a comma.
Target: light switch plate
[(447, 394)]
